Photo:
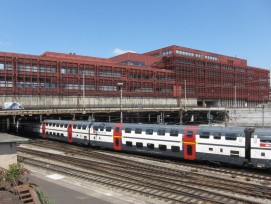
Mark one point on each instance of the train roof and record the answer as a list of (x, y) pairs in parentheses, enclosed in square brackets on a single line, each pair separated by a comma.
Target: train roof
[(155, 127), (262, 131)]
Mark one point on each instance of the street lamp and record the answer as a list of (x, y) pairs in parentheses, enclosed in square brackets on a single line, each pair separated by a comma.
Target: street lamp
[(120, 85)]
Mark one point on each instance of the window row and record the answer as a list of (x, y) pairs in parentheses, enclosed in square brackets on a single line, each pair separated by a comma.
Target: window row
[(160, 132), (83, 127), (181, 52), (217, 135), (22, 84), (151, 146), (102, 128), (7, 67), (55, 134), (212, 58), (76, 71), (134, 63), (34, 68)]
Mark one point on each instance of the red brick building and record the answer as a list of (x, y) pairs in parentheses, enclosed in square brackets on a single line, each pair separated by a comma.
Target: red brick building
[(171, 72)]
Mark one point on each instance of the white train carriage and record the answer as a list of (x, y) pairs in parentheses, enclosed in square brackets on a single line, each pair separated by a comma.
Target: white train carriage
[(153, 139), (232, 145), (69, 131), (260, 152), (221, 144), (101, 135)]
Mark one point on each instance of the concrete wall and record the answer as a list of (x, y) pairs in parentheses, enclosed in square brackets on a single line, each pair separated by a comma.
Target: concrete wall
[(257, 116), (74, 101), (8, 154)]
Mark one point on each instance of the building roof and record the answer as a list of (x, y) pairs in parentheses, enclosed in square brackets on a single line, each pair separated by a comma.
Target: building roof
[(148, 60), (4, 137), (74, 57)]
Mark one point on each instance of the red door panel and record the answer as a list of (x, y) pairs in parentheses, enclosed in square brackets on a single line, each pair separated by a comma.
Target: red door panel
[(69, 130), (117, 137), (189, 142)]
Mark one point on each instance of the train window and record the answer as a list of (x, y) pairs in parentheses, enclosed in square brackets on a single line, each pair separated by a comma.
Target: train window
[(211, 149), (117, 129), (54, 124), (128, 130), (57, 125), (175, 148), (129, 144), (54, 133), (138, 131), (161, 132), (96, 128), (74, 127), (108, 129), (150, 146), (230, 136), (139, 144), (84, 127), (57, 134), (79, 126), (149, 131), (47, 124), (66, 125), (266, 139), (50, 124), (101, 128), (189, 150), (163, 147), (221, 150), (62, 135), (204, 135), (70, 126), (189, 133), (174, 133), (217, 135), (61, 125), (263, 154), (234, 153)]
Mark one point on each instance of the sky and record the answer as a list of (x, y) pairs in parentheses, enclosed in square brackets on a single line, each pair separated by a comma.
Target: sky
[(105, 28)]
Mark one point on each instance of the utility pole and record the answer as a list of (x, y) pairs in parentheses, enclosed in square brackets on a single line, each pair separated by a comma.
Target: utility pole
[(83, 89), (120, 85), (235, 105)]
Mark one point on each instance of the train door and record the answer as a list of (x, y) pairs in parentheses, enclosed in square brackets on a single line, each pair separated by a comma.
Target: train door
[(43, 127), (117, 137), (248, 133), (189, 142), (69, 131), (94, 136)]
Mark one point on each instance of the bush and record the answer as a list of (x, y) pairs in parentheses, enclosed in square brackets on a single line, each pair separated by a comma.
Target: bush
[(11, 177)]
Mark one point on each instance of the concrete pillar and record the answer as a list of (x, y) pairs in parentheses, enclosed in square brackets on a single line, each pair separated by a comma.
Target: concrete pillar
[(181, 116), (8, 124)]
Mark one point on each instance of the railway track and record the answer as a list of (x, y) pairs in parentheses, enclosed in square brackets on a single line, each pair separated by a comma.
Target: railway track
[(199, 168), (175, 185)]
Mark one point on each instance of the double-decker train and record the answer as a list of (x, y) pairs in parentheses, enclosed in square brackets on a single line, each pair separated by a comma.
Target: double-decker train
[(231, 145)]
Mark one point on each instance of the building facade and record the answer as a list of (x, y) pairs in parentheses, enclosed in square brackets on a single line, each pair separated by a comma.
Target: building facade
[(190, 76)]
